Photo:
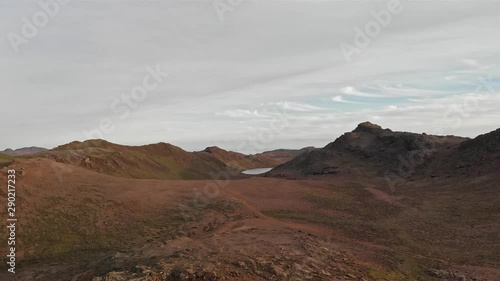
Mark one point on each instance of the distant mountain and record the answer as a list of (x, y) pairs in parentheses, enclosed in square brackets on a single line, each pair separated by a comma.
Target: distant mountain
[(155, 161), (23, 151), (239, 160), (284, 155), (370, 149)]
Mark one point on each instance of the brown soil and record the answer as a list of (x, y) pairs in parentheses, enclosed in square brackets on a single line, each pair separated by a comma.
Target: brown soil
[(77, 224)]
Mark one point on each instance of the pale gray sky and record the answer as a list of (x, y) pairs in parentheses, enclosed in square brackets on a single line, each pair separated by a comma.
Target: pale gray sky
[(235, 70)]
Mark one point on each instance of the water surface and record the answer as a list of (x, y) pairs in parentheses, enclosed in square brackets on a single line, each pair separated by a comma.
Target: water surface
[(256, 171)]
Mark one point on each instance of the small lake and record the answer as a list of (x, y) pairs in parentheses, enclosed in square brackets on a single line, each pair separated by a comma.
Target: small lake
[(257, 171)]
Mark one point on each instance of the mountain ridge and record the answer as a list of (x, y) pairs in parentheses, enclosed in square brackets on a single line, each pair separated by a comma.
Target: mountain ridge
[(371, 149), (154, 161), (23, 151)]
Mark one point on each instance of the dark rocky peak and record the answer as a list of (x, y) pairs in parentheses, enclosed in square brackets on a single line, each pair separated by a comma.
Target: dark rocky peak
[(213, 149), (368, 127)]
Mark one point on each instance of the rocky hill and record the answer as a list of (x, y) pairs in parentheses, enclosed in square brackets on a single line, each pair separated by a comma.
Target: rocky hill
[(370, 149), (472, 158)]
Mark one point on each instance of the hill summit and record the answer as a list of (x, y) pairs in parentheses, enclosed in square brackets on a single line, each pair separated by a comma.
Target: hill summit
[(368, 127), (370, 149)]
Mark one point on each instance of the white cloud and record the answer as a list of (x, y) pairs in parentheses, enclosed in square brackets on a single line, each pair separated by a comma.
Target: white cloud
[(227, 76), (340, 99), (351, 91), (470, 62), (296, 106), (407, 91), (241, 113)]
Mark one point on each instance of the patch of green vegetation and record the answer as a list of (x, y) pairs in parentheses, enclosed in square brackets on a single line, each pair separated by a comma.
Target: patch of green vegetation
[(353, 227), (5, 160), (389, 275), (163, 167), (449, 224), (59, 229), (331, 201), (188, 174)]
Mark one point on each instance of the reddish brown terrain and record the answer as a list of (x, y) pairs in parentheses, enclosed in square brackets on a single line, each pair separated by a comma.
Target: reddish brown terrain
[(343, 212), (154, 161)]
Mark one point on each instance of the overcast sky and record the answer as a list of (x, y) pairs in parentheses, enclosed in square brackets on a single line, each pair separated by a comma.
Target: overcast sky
[(240, 72)]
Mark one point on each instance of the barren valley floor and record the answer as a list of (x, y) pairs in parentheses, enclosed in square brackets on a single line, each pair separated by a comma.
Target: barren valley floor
[(76, 224)]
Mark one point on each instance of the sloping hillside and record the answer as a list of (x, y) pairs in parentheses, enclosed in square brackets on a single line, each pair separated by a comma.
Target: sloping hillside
[(154, 161)]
